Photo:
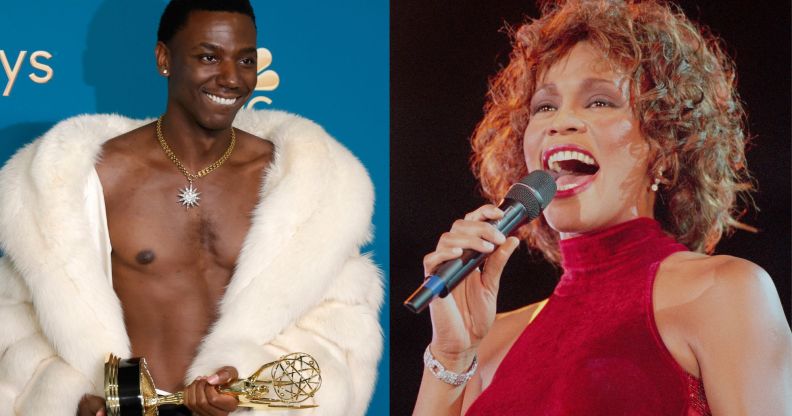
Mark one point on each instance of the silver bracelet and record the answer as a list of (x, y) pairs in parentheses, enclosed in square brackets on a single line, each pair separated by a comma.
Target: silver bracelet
[(450, 377)]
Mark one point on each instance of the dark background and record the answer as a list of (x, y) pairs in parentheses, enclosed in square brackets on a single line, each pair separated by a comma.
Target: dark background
[(442, 54)]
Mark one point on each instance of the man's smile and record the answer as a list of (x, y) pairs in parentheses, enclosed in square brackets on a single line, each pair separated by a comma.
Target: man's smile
[(221, 100)]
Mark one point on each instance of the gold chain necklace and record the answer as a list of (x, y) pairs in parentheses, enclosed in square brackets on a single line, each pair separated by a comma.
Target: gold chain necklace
[(189, 195)]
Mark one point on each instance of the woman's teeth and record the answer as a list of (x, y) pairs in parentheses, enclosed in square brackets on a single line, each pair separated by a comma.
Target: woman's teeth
[(553, 162), (566, 187), (221, 100)]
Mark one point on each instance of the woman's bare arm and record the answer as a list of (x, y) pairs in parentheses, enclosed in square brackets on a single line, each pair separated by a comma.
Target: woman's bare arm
[(742, 341)]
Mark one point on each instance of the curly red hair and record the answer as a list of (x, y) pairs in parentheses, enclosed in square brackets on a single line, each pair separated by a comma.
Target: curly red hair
[(683, 95)]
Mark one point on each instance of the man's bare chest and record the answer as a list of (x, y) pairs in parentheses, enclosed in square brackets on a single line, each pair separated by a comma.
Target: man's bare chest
[(150, 229)]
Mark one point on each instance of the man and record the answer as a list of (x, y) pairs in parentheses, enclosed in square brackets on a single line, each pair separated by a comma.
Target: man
[(207, 249)]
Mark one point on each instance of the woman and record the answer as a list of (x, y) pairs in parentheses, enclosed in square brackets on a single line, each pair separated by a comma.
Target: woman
[(637, 113)]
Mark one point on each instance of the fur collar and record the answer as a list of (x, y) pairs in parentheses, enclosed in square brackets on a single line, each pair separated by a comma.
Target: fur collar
[(315, 210)]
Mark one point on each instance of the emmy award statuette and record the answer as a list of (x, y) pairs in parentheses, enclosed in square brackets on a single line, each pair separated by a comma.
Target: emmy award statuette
[(293, 378)]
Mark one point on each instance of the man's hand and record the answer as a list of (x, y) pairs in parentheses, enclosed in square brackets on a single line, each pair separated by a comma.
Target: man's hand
[(202, 397), (91, 405)]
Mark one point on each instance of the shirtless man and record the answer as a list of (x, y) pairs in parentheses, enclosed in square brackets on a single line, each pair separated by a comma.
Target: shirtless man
[(171, 264), (173, 255)]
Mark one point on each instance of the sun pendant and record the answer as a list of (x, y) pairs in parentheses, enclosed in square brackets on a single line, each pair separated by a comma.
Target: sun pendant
[(189, 196)]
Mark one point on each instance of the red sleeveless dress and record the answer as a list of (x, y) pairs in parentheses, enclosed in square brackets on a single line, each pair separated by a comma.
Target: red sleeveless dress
[(594, 349)]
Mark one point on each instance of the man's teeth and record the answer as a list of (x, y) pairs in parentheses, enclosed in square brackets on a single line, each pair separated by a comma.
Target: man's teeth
[(565, 155), (221, 100)]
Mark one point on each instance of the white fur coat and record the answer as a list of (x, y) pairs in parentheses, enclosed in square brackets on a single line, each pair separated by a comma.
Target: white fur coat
[(300, 284)]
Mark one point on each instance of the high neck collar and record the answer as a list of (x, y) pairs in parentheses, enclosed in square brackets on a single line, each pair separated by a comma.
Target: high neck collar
[(611, 251)]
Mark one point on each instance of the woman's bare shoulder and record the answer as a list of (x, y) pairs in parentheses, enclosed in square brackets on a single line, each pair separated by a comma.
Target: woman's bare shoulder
[(695, 278), (705, 288), (697, 297), (731, 316)]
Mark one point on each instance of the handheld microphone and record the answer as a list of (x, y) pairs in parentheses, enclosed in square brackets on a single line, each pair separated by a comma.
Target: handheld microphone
[(525, 201)]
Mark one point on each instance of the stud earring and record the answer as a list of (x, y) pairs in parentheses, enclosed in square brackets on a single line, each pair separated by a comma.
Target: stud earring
[(656, 185), (164, 71)]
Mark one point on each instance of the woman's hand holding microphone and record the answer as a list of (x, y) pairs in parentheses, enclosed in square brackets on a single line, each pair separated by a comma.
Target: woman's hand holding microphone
[(460, 321)]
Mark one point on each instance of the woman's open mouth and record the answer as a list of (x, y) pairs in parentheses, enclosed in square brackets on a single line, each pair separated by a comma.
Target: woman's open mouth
[(573, 167)]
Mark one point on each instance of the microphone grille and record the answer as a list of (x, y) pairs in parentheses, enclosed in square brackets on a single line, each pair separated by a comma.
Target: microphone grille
[(534, 191)]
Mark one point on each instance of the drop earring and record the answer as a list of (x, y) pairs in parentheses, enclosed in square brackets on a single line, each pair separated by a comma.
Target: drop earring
[(165, 71), (656, 185)]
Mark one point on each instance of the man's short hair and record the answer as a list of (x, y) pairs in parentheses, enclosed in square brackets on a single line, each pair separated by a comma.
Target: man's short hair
[(177, 11)]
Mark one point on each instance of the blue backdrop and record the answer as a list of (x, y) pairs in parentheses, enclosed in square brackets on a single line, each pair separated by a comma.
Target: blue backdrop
[(330, 60)]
